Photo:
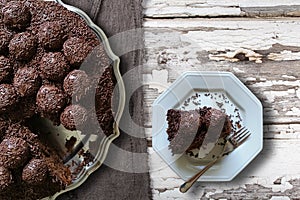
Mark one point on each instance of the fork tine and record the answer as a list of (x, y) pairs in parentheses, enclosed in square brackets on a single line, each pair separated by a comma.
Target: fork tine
[(236, 134), (239, 133), (242, 129), (243, 139), (242, 134)]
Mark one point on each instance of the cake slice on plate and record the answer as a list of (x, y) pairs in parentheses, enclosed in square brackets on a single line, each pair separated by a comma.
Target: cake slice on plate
[(188, 130)]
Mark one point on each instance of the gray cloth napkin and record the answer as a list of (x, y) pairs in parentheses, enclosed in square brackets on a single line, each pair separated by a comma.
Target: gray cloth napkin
[(114, 17)]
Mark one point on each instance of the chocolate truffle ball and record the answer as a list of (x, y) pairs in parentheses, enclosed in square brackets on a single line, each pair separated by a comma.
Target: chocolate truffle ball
[(50, 99), (5, 37), (5, 178), (54, 66), (13, 152), (27, 81), (6, 69), (76, 84), (16, 15), (35, 172), (76, 50), (73, 117), (23, 46), (8, 96), (52, 35)]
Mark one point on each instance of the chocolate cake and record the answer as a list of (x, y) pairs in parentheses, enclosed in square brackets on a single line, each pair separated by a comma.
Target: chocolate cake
[(188, 129), (43, 48)]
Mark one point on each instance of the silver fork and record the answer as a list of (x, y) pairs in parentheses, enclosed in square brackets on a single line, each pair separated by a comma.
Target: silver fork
[(233, 141)]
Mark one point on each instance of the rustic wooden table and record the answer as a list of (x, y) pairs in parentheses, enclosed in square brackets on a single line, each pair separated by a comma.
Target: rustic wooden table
[(259, 42)]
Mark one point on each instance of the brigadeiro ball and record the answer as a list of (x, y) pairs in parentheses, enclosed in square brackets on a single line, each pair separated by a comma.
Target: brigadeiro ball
[(5, 37), (52, 35), (16, 15), (8, 96), (73, 117), (13, 152), (35, 172), (27, 81), (76, 50), (50, 99), (6, 69), (5, 178), (76, 84), (54, 66), (23, 46)]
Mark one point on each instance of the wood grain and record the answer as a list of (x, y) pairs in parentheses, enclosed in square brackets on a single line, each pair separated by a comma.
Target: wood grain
[(224, 8)]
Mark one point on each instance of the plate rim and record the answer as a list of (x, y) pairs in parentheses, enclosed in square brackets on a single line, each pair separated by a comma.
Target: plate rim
[(259, 148)]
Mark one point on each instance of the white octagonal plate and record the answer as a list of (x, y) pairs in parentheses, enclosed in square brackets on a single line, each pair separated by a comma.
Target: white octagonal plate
[(221, 90)]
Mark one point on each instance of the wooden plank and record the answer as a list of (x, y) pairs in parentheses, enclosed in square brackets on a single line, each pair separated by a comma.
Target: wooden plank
[(178, 45), (213, 8), (271, 174)]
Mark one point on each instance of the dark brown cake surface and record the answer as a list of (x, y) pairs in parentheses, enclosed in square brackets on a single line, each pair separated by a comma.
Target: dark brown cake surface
[(188, 129), (42, 48)]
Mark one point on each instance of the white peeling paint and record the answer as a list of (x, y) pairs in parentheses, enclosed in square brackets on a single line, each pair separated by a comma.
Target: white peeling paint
[(158, 80)]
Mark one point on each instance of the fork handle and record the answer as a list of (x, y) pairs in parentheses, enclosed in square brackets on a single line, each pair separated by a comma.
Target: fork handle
[(188, 184)]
